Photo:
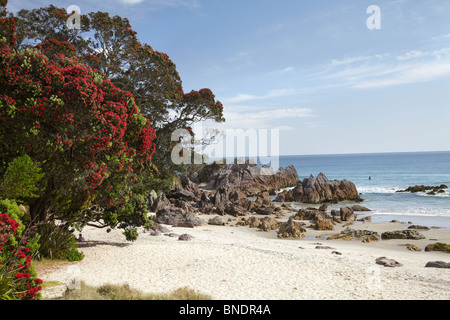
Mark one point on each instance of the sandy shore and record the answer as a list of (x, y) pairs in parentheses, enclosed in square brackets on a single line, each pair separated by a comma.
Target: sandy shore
[(240, 263)]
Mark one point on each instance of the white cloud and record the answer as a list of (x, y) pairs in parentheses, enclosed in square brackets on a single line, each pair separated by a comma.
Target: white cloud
[(385, 70), (411, 55), (271, 94), (164, 3)]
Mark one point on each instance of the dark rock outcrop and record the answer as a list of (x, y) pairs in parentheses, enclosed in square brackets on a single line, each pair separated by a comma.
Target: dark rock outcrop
[(402, 234), (320, 190), (249, 178)]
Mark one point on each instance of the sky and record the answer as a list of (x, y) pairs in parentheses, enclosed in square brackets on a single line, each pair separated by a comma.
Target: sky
[(317, 71)]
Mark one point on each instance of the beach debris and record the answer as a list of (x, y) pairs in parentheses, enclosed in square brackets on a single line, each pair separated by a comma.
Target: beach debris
[(402, 234), (437, 264), (438, 246), (388, 262), (337, 252), (291, 229), (325, 247)]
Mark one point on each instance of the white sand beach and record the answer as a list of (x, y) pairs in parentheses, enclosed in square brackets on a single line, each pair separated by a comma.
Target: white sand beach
[(240, 263)]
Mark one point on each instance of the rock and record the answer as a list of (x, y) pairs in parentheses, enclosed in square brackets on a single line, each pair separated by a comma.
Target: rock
[(359, 208), (438, 247), (418, 227), (247, 177), (168, 216), (155, 233), (217, 221), (388, 262), (263, 199), (402, 234), (236, 211), (252, 222), (364, 235), (422, 188), (347, 214), (412, 247), (339, 236), (268, 224), (161, 203), (320, 190), (181, 193), (324, 224), (185, 237), (323, 207), (366, 219), (291, 229), (336, 252), (437, 264), (172, 235), (310, 214), (287, 207)]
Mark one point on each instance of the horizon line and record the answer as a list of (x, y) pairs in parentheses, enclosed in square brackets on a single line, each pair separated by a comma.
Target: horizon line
[(360, 153)]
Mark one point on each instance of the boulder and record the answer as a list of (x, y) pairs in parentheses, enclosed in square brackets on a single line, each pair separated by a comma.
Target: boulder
[(402, 234), (268, 224), (357, 208), (324, 224), (418, 227), (437, 264), (185, 237), (291, 229), (347, 214), (247, 177), (170, 217), (217, 221), (320, 190), (364, 235), (388, 262), (438, 247)]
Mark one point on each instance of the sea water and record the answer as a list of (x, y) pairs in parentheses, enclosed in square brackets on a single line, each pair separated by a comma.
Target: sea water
[(378, 176)]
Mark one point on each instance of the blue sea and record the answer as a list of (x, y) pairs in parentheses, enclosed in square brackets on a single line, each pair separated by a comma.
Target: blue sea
[(388, 173)]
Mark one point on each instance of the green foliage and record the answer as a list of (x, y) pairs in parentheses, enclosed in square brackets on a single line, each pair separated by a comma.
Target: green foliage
[(56, 241), (130, 234), (20, 179), (75, 255)]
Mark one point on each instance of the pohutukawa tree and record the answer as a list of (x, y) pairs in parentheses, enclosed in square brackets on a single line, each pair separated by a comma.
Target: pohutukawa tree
[(89, 136), (110, 45)]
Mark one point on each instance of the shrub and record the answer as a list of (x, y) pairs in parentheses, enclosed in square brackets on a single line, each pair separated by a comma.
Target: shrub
[(57, 242)]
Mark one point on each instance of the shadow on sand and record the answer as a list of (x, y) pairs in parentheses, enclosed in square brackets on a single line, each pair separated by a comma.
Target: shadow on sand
[(93, 243)]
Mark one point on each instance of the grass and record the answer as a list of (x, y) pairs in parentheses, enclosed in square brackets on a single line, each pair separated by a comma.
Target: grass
[(125, 292)]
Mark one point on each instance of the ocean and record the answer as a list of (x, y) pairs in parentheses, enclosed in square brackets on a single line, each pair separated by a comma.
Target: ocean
[(388, 173)]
